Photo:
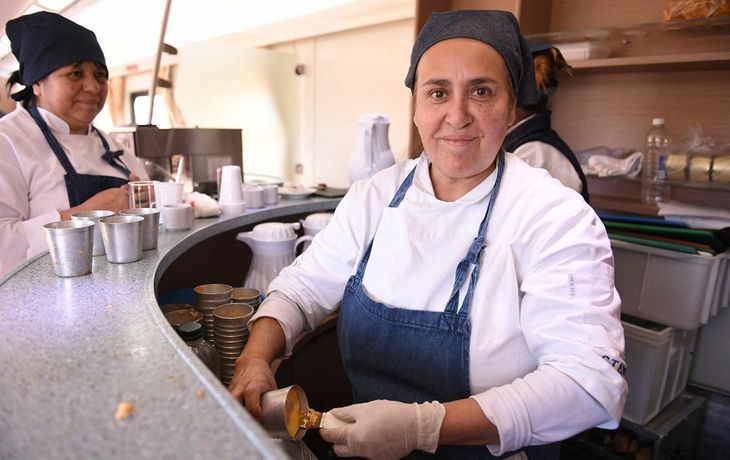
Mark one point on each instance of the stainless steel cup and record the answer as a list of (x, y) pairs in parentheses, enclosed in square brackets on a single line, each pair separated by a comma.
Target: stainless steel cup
[(150, 227), (122, 238), (71, 244), (94, 216), (281, 412)]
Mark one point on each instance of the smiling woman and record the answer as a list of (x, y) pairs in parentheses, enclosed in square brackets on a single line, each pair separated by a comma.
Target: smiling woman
[(53, 162), (76, 93)]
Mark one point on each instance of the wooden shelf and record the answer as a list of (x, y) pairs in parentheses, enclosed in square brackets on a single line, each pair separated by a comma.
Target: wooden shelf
[(624, 195), (694, 61)]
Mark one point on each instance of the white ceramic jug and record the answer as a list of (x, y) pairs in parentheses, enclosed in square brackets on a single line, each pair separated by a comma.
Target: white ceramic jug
[(274, 247), (372, 152)]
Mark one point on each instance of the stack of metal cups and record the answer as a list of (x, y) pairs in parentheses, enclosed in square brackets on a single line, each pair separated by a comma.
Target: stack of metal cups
[(246, 295), (231, 333), (207, 298)]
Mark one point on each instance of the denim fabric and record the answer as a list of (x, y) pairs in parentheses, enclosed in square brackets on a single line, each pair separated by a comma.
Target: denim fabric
[(80, 187)]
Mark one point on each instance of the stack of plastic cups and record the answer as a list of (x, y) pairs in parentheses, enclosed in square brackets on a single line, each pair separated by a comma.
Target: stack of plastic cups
[(249, 296), (231, 333), (207, 298)]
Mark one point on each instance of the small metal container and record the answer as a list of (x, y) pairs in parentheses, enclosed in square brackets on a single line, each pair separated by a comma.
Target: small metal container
[(281, 412), (94, 216), (71, 243), (150, 227), (122, 238)]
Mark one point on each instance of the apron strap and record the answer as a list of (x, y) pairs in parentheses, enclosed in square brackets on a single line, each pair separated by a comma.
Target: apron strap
[(113, 158), (473, 256), (52, 141)]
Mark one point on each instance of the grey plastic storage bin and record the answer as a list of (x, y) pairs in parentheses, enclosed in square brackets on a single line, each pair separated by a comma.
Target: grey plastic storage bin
[(658, 360), (669, 287)]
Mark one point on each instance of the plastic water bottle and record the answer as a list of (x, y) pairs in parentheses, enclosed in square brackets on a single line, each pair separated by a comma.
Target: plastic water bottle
[(655, 188)]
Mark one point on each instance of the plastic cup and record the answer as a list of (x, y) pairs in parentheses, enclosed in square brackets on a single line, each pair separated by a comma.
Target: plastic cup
[(142, 194)]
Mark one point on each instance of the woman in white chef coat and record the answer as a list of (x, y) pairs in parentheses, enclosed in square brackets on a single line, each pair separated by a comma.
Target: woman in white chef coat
[(532, 137), (53, 162), (477, 312)]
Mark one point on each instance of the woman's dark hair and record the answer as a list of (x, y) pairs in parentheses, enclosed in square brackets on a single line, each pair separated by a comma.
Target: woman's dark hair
[(12, 80)]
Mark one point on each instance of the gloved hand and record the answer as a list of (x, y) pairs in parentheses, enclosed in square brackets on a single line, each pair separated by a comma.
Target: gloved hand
[(383, 429)]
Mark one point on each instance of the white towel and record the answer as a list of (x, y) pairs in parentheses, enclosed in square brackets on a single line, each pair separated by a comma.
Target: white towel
[(604, 166), (204, 205)]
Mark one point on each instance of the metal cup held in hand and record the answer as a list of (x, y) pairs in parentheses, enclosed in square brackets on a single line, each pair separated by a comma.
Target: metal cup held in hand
[(71, 244), (281, 412)]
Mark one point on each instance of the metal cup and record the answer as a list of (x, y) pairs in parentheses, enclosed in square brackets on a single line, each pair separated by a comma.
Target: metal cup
[(281, 411), (122, 238), (150, 227), (71, 244), (94, 216)]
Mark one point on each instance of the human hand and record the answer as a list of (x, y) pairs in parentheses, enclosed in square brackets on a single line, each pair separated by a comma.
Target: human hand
[(112, 199), (383, 429), (252, 378)]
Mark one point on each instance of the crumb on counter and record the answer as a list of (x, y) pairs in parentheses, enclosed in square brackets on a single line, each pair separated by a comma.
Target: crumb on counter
[(200, 393), (124, 410)]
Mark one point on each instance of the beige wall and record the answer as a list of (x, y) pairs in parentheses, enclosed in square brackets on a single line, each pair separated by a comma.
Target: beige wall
[(346, 74)]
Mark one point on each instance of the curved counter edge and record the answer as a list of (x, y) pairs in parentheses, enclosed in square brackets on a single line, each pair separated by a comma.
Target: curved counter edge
[(76, 348)]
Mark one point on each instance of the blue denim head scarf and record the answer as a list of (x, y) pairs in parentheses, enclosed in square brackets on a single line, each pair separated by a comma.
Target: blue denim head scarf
[(498, 29)]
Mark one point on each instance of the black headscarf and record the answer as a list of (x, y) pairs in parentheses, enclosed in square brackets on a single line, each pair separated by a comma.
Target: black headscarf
[(43, 42), (498, 29)]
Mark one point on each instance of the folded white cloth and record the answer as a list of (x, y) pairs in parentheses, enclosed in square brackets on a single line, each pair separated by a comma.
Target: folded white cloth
[(695, 216), (204, 205), (604, 166)]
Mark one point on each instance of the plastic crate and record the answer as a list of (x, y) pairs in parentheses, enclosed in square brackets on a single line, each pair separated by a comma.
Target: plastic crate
[(668, 287), (658, 360)]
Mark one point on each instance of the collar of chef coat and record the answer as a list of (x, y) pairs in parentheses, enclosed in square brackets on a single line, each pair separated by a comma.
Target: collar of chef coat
[(56, 123), (521, 122), (422, 181)]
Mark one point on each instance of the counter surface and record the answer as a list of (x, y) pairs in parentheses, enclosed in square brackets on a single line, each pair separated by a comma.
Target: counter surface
[(73, 349)]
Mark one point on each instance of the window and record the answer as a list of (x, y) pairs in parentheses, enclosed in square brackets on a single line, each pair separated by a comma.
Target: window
[(141, 110)]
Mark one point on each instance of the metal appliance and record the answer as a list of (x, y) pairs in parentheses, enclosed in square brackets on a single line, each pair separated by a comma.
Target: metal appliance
[(191, 155)]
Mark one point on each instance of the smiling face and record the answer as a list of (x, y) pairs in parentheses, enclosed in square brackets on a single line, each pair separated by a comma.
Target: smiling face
[(464, 104), (76, 93)]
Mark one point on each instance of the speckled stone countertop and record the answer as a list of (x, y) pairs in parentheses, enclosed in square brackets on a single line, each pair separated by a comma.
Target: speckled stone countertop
[(73, 349)]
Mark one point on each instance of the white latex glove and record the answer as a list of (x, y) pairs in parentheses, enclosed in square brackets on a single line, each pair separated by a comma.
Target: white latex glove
[(383, 429)]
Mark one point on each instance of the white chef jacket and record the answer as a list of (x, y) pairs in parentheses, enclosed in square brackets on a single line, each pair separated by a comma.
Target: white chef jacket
[(545, 328), (541, 155), (32, 186)]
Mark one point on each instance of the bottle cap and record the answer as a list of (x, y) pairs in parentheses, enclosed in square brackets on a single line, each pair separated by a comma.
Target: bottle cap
[(657, 121), (190, 331)]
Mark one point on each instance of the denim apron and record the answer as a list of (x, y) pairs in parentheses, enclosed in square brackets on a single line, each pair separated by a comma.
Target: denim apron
[(412, 355), (81, 187)]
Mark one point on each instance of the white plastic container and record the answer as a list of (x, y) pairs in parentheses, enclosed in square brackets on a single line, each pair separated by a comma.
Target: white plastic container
[(658, 360), (580, 51), (669, 287)]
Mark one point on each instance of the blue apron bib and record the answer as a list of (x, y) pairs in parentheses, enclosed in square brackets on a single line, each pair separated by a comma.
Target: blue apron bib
[(412, 355), (81, 187)]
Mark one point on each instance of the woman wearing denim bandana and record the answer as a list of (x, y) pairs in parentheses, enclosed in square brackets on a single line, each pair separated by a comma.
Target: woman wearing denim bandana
[(477, 312)]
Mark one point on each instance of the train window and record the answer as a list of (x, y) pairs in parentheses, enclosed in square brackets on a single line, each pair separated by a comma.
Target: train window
[(141, 110)]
